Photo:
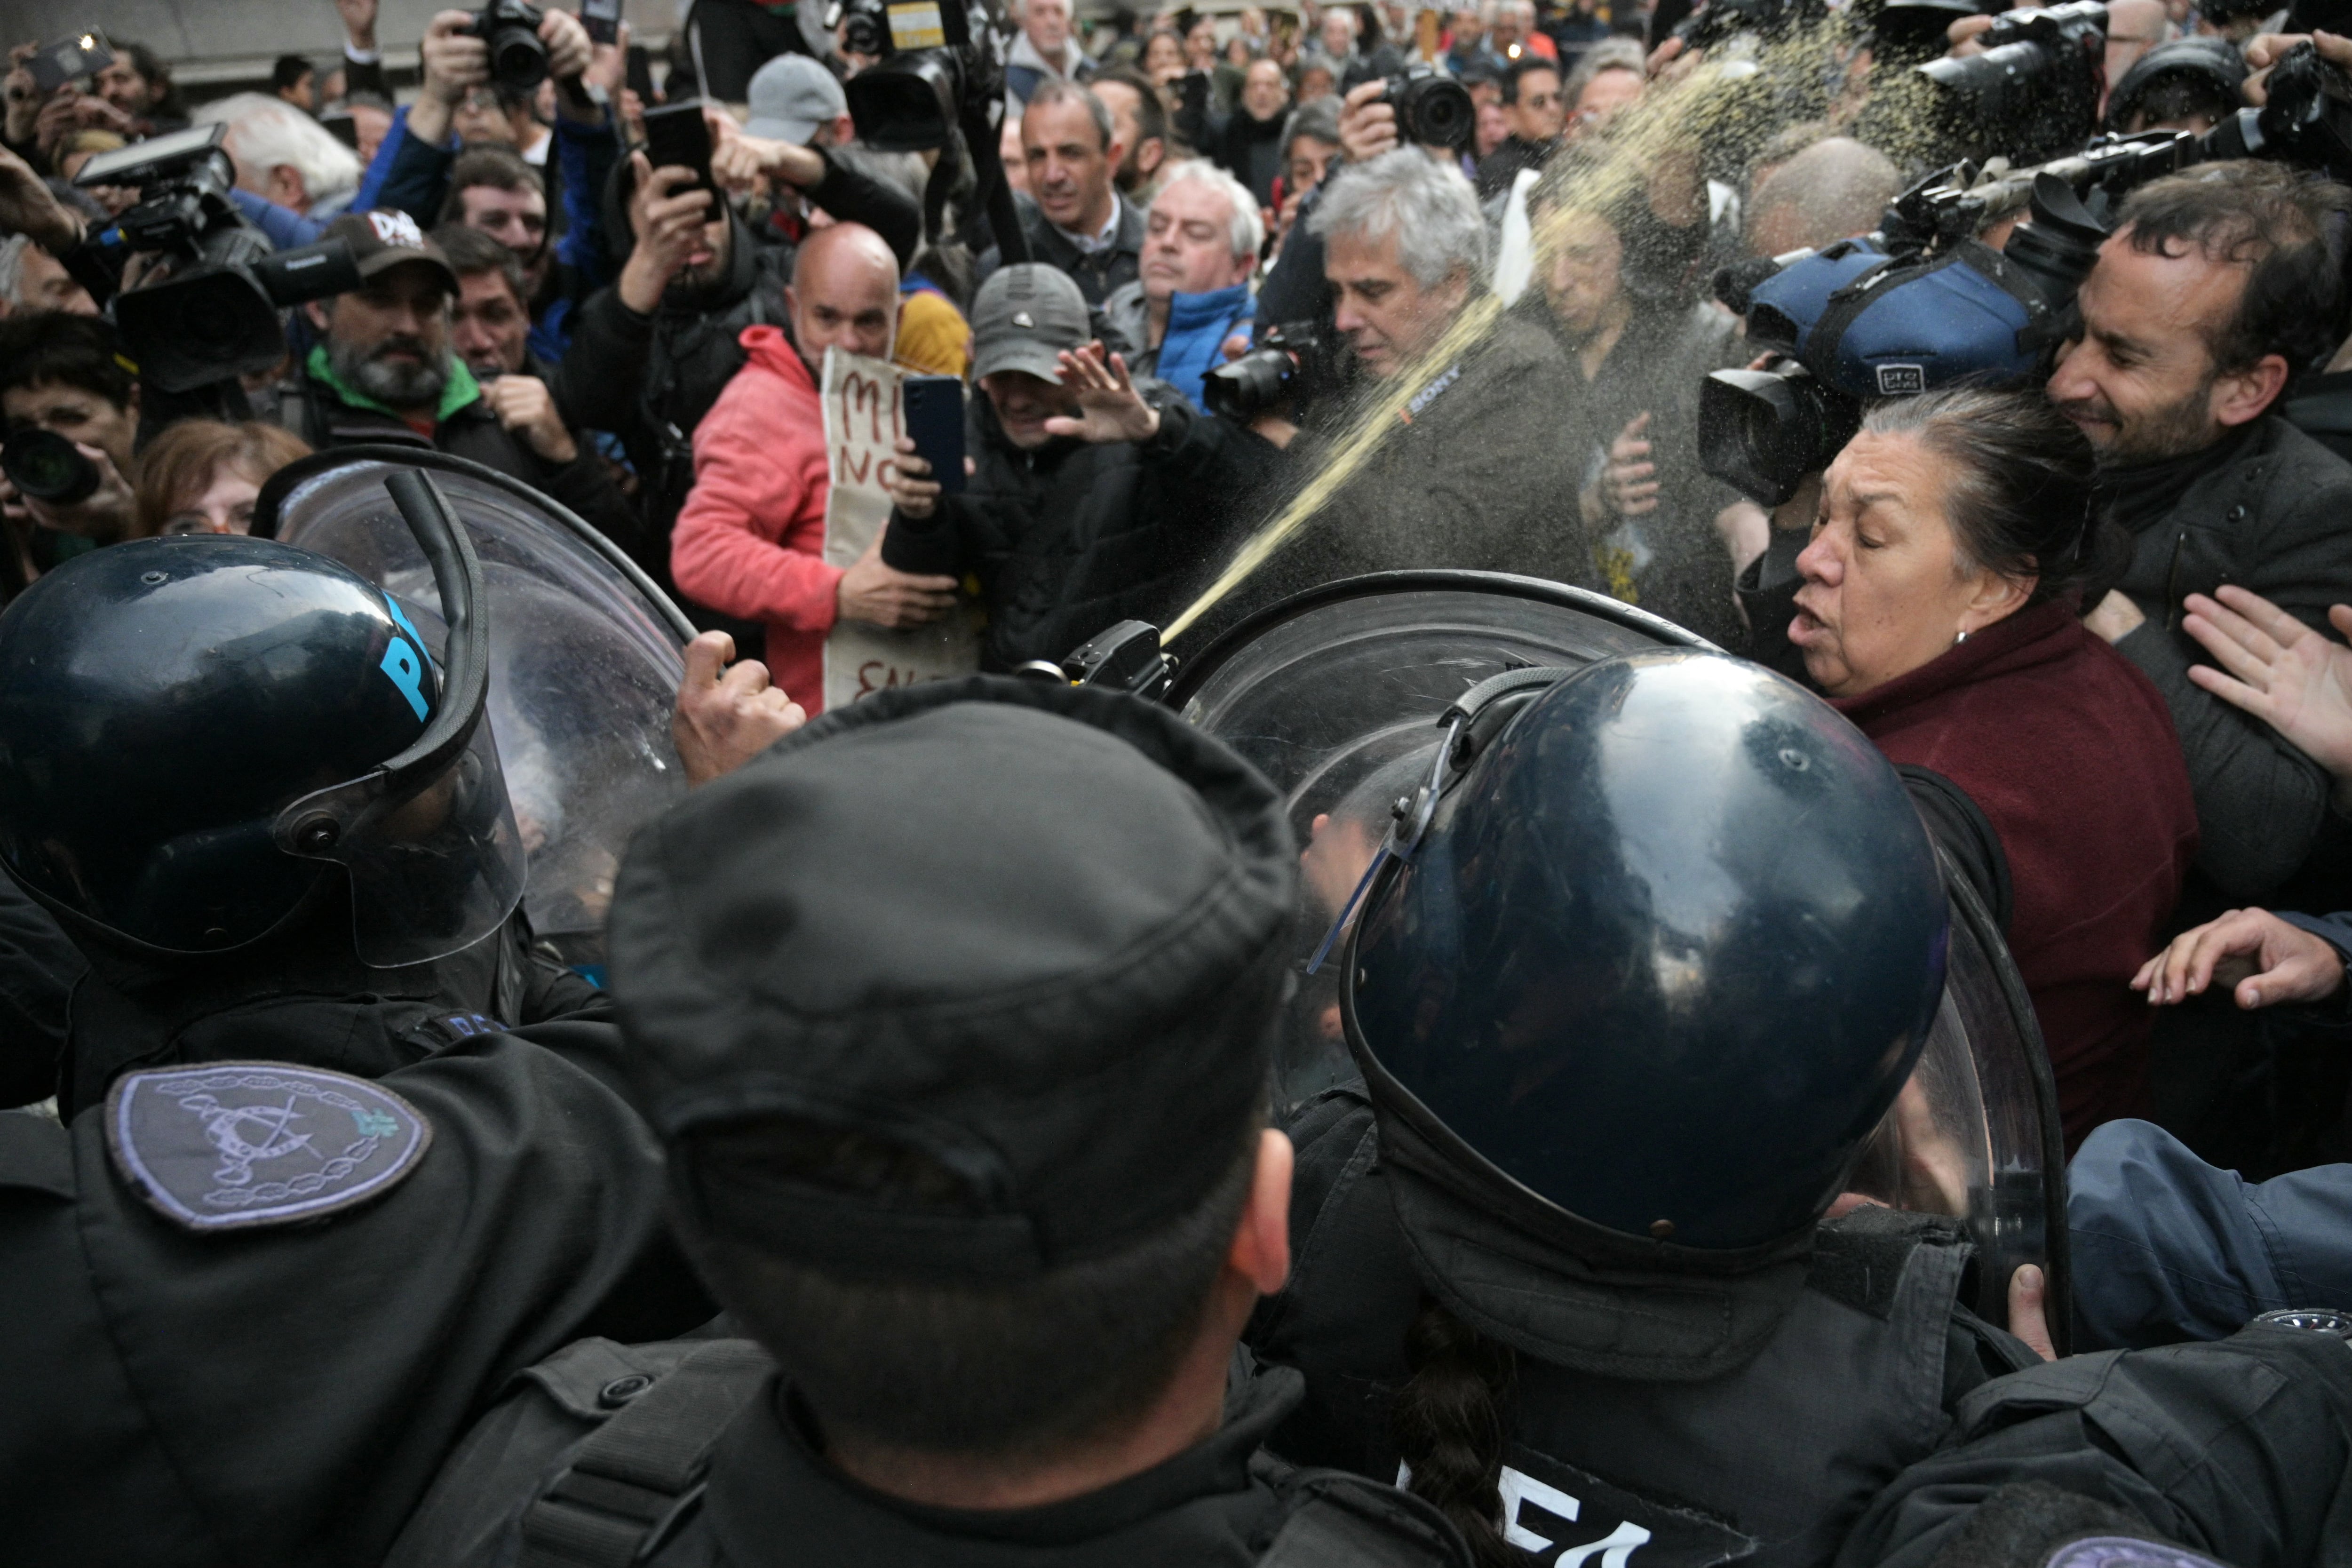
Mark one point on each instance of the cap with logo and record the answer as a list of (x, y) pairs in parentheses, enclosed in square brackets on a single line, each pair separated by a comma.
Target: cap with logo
[(1024, 316), (790, 97), (384, 239), (1037, 934)]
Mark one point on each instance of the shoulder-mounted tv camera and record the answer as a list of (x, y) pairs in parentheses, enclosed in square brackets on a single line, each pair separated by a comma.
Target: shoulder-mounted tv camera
[(206, 307)]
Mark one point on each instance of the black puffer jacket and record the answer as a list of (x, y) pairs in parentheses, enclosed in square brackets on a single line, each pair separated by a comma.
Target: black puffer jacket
[(1069, 538)]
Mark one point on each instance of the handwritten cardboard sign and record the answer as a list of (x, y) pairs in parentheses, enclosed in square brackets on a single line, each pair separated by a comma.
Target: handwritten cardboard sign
[(864, 417)]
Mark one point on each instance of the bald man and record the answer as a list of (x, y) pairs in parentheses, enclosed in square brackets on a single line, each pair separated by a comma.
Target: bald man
[(1834, 189), (750, 540)]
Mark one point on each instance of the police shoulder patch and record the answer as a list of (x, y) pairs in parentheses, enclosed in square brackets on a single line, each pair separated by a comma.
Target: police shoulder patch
[(233, 1145)]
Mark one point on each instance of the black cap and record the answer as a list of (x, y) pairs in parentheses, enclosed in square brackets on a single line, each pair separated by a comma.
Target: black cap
[(1038, 933)]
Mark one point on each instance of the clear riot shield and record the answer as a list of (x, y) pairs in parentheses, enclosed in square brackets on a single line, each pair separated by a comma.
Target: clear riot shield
[(584, 660), (1335, 695)]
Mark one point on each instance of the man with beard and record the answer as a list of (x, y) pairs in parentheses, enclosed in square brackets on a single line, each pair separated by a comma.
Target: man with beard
[(1140, 120), (2216, 290), (383, 370)]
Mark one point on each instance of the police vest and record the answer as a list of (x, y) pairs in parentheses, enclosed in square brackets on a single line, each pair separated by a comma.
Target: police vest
[(606, 1448), (1768, 1465)]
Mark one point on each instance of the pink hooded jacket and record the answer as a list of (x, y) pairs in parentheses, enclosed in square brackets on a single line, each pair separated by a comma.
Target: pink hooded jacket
[(751, 539)]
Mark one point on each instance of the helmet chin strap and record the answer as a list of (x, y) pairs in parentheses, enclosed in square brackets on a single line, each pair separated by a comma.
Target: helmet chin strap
[(1475, 719)]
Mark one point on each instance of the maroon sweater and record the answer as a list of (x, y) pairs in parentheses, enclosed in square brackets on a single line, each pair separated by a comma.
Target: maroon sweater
[(2069, 751)]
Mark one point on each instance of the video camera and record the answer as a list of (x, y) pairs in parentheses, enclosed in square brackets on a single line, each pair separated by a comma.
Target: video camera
[(1923, 303), (940, 62), (2036, 87), (207, 309)]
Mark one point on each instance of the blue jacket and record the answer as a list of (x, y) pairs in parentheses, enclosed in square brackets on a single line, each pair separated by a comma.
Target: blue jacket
[(1198, 326)]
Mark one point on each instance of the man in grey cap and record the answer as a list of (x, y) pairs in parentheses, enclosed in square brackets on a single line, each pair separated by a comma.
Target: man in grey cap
[(955, 1011), (795, 99), (1093, 498)]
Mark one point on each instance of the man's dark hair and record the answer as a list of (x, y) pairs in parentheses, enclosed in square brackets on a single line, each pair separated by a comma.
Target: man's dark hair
[(1026, 1367), (57, 348), (2282, 227), (1525, 66), (501, 168), (2023, 499), (1151, 113), (1054, 90), (471, 252), (1318, 117), (287, 70), (168, 104)]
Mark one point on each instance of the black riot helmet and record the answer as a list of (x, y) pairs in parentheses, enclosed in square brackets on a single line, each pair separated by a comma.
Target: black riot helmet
[(195, 732), (1660, 960)]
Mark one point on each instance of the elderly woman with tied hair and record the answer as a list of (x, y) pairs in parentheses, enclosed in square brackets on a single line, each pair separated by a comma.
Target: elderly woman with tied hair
[(1940, 613)]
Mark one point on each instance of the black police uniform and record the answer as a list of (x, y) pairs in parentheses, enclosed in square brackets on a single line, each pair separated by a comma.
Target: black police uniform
[(1775, 1456), (979, 922), (698, 1453), (1642, 969), (2240, 1448), (180, 1395)]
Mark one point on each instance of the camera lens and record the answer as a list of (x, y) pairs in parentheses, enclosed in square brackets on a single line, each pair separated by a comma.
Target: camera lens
[(1249, 386), (47, 466), (1433, 111), (518, 59)]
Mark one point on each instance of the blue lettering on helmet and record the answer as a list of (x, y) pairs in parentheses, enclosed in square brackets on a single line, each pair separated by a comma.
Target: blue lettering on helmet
[(407, 672), (401, 617)]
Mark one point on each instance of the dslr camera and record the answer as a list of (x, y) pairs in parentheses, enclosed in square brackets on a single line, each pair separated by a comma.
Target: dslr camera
[(2034, 93), (1431, 108), (208, 308), (1295, 361), (510, 27)]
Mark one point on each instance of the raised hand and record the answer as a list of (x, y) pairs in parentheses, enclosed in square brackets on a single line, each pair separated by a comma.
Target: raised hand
[(2280, 670), (1109, 408), (727, 714)]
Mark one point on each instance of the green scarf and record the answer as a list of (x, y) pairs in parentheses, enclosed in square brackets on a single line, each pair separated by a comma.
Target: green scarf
[(461, 389)]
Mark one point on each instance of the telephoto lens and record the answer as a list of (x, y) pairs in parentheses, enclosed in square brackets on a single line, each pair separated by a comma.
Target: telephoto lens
[(517, 60), (1762, 431), (46, 467)]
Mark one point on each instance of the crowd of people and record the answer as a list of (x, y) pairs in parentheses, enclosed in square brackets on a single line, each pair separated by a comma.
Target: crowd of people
[(937, 1059)]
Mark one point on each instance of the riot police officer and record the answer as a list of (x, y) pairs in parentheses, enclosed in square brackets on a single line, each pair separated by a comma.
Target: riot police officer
[(247, 1305), (1645, 966), (955, 1010), (235, 776)]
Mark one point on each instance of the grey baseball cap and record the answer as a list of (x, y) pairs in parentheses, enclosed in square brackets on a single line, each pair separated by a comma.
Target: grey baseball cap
[(1026, 314), (791, 96)]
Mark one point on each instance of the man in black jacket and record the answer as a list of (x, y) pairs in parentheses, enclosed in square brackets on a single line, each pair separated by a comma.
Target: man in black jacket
[(383, 370), (651, 353), (1077, 222), (1089, 501), (2216, 289)]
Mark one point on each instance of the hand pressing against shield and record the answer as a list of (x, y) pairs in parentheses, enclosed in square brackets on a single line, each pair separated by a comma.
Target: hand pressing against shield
[(726, 713)]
